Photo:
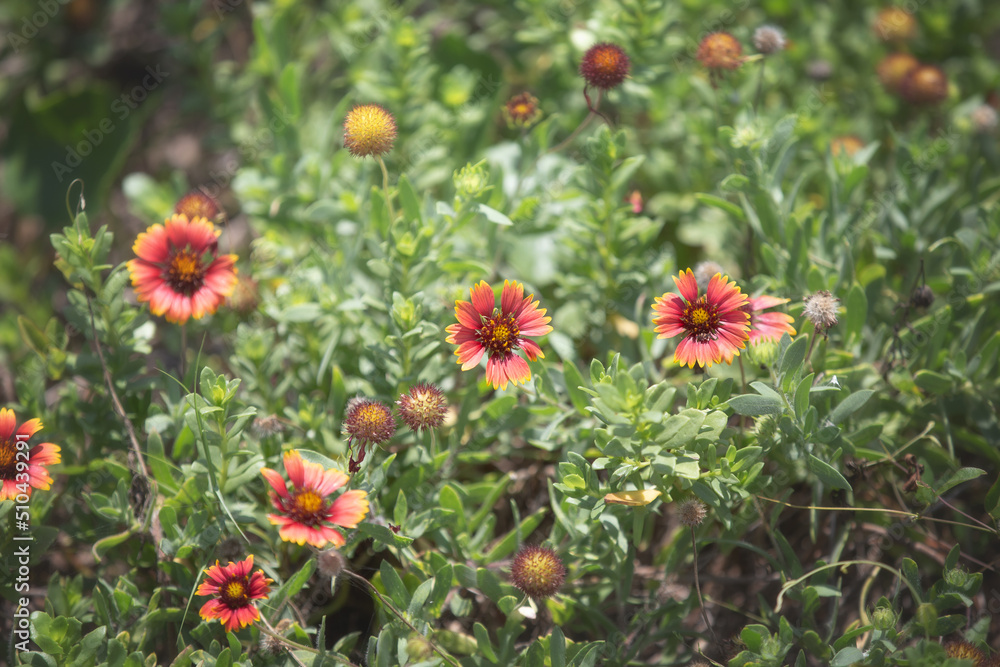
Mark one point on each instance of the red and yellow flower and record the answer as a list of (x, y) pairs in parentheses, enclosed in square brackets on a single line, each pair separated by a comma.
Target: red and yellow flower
[(498, 332), (714, 325), (236, 589), (768, 326), (22, 469), (178, 269), (305, 514)]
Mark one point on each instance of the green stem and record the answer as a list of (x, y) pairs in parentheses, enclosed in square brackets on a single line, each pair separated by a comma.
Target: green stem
[(385, 186)]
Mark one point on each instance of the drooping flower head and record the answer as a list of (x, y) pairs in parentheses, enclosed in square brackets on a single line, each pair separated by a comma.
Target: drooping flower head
[(305, 513), (498, 332), (768, 326), (197, 204), (178, 269), (18, 476), (423, 407), (368, 422), (895, 24), (521, 110), (537, 571), (719, 51), (369, 130), (893, 70), (926, 85), (604, 66), (714, 325), (236, 589)]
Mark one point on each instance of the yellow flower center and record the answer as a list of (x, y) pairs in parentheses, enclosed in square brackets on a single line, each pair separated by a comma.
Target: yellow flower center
[(233, 593), (701, 320), (8, 468), (185, 272), (499, 334), (369, 130), (308, 502)]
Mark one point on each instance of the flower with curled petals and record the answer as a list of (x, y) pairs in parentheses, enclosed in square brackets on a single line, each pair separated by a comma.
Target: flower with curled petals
[(714, 325), (768, 326), (498, 332), (23, 469), (236, 589), (178, 269), (304, 513)]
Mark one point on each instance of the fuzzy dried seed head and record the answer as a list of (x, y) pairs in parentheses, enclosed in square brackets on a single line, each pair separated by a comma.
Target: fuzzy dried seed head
[(604, 66), (703, 272), (369, 130), (331, 563), (769, 39), (267, 425), (821, 309), (720, 50), (819, 70), (423, 407), (984, 118), (691, 512), (538, 572), (369, 421)]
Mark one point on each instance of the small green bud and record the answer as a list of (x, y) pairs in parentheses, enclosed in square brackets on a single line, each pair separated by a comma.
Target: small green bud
[(472, 180), (956, 577), (884, 618), (926, 617)]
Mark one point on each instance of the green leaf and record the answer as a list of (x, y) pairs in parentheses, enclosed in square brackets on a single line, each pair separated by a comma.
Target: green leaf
[(557, 647), (960, 476), (410, 200), (857, 312), (850, 405), (394, 586), (574, 381), (494, 215), (794, 355), (293, 584), (829, 475), (847, 656), (753, 405), (483, 642), (935, 383), (721, 204), (506, 546)]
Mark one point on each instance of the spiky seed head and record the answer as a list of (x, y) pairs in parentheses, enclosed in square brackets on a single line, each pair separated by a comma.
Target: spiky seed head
[(537, 571)]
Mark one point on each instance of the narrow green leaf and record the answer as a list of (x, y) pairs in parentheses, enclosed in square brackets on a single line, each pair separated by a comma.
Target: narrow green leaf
[(410, 200), (753, 405), (794, 355), (857, 312), (495, 216), (827, 474), (961, 475), (394, 586), (721, 204), (850, 405), (483, 642), (574, 381)]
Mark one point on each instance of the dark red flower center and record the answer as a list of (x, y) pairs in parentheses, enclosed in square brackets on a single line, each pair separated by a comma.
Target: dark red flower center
[(235, 593), (307, 507), (8, 467), (701, 319), (185, 272), (499, 334)]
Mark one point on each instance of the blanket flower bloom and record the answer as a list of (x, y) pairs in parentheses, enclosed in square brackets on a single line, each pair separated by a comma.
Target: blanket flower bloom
[(19, 475), (236, 589), (768, 326), (714, 325), (483, 328), (178, 269), (305, 514)]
